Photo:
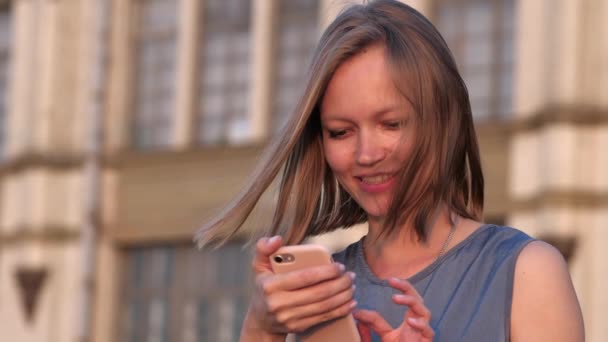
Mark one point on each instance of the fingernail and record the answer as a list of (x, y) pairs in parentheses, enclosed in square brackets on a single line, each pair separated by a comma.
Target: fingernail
[(341, 267), (399, 296), (413, 320), (353, 304), (273, 239), (352, 275)]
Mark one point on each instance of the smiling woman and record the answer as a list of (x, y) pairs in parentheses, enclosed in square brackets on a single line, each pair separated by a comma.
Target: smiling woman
[(384, 134)]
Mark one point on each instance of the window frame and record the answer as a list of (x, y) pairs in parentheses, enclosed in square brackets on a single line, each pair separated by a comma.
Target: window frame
[(184, 255), (498, 39), (136, 37), (198, 113), (279, 111), (5, 60)]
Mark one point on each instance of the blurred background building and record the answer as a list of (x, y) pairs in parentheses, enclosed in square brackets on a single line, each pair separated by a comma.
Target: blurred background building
[(124, 124)]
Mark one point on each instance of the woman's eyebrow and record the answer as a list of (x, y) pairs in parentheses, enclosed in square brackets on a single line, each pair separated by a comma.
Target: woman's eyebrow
[(386, 110), (377, 114), (336, 118)]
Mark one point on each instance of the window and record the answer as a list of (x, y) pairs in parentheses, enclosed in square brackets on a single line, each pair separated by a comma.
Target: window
[(298, 31), (5, 44), (180, 294), (480, 33), (225, 68), (155, 71)]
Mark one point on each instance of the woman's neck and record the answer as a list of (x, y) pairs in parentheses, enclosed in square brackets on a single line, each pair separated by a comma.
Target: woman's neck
[(403, 254)]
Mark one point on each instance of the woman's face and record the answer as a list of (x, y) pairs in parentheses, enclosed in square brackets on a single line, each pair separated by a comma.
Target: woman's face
[(368, 130)]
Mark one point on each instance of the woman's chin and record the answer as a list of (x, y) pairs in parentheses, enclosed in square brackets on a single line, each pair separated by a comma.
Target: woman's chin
[(375, 213)]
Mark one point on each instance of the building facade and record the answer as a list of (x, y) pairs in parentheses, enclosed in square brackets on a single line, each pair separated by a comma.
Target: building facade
[(125, 124)]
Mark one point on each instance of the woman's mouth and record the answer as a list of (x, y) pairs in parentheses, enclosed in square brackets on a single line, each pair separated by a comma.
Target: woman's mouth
[(376, 183), (376, 179)]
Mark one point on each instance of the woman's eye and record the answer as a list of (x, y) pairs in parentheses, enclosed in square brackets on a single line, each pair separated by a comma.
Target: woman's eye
[(394, 124), (337, 134)]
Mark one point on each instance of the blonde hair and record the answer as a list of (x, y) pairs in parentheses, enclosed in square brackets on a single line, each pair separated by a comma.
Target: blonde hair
[(444, 166)]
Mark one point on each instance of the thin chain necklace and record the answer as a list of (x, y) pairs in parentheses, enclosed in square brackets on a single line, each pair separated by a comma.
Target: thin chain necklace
[(445, 245), (447, 240)]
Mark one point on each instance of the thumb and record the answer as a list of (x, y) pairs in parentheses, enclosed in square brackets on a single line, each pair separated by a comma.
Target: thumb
[(264, 248)]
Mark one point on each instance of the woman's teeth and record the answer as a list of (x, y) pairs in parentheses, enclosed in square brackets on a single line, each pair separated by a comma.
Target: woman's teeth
[(376, 179)]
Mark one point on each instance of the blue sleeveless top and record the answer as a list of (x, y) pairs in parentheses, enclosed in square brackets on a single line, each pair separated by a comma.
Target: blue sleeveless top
[(468, 290)]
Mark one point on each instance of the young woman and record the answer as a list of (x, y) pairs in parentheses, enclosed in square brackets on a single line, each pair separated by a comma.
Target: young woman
[(383, 134)]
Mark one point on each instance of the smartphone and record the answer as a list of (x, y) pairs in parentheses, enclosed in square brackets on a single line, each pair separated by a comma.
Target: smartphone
[(291, 258)]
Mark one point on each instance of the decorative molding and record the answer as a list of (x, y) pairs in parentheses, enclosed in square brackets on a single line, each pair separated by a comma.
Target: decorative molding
[(116, 159), (128, 157), (579, 115), (49, 161), (29, 282), (562, 198), (50, 235), (53, 161)]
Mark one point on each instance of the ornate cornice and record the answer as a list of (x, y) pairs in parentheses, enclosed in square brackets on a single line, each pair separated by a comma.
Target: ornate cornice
[(201, 153), (69, 161), (50, 161), (37, 160), (562, 199), (44, 235), (578, 115)]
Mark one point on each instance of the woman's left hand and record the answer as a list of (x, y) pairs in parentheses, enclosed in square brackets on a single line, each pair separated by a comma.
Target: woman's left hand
[(416, 322)]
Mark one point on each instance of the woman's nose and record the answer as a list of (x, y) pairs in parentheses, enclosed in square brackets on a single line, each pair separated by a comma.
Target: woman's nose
[(369, 149)]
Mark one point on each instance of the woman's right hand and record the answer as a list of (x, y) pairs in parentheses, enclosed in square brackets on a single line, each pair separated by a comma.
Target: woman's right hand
[(293, 302)]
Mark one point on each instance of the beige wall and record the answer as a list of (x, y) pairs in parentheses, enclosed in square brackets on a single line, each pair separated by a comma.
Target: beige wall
[(39, 198), (45, 118), (531, 166)]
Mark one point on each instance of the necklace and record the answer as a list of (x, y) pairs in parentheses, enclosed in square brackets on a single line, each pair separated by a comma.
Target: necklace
[(445, 245), (447, 240)]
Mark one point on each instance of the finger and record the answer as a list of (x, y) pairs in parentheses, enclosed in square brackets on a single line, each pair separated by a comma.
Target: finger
[(321, 291), (299, 325), (404, 286), (374, 321), (264, 248), (364, 332), (421, 326), (311, 308), (306, 277), (415, 305)]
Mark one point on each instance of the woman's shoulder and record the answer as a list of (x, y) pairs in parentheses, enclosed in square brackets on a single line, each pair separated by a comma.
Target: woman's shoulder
[(507, 233), (543, 288), (499, 231), (538, 254), (496, 239)]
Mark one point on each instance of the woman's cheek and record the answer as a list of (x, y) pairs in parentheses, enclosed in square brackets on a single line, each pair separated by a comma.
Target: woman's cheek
[(337, 159)]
